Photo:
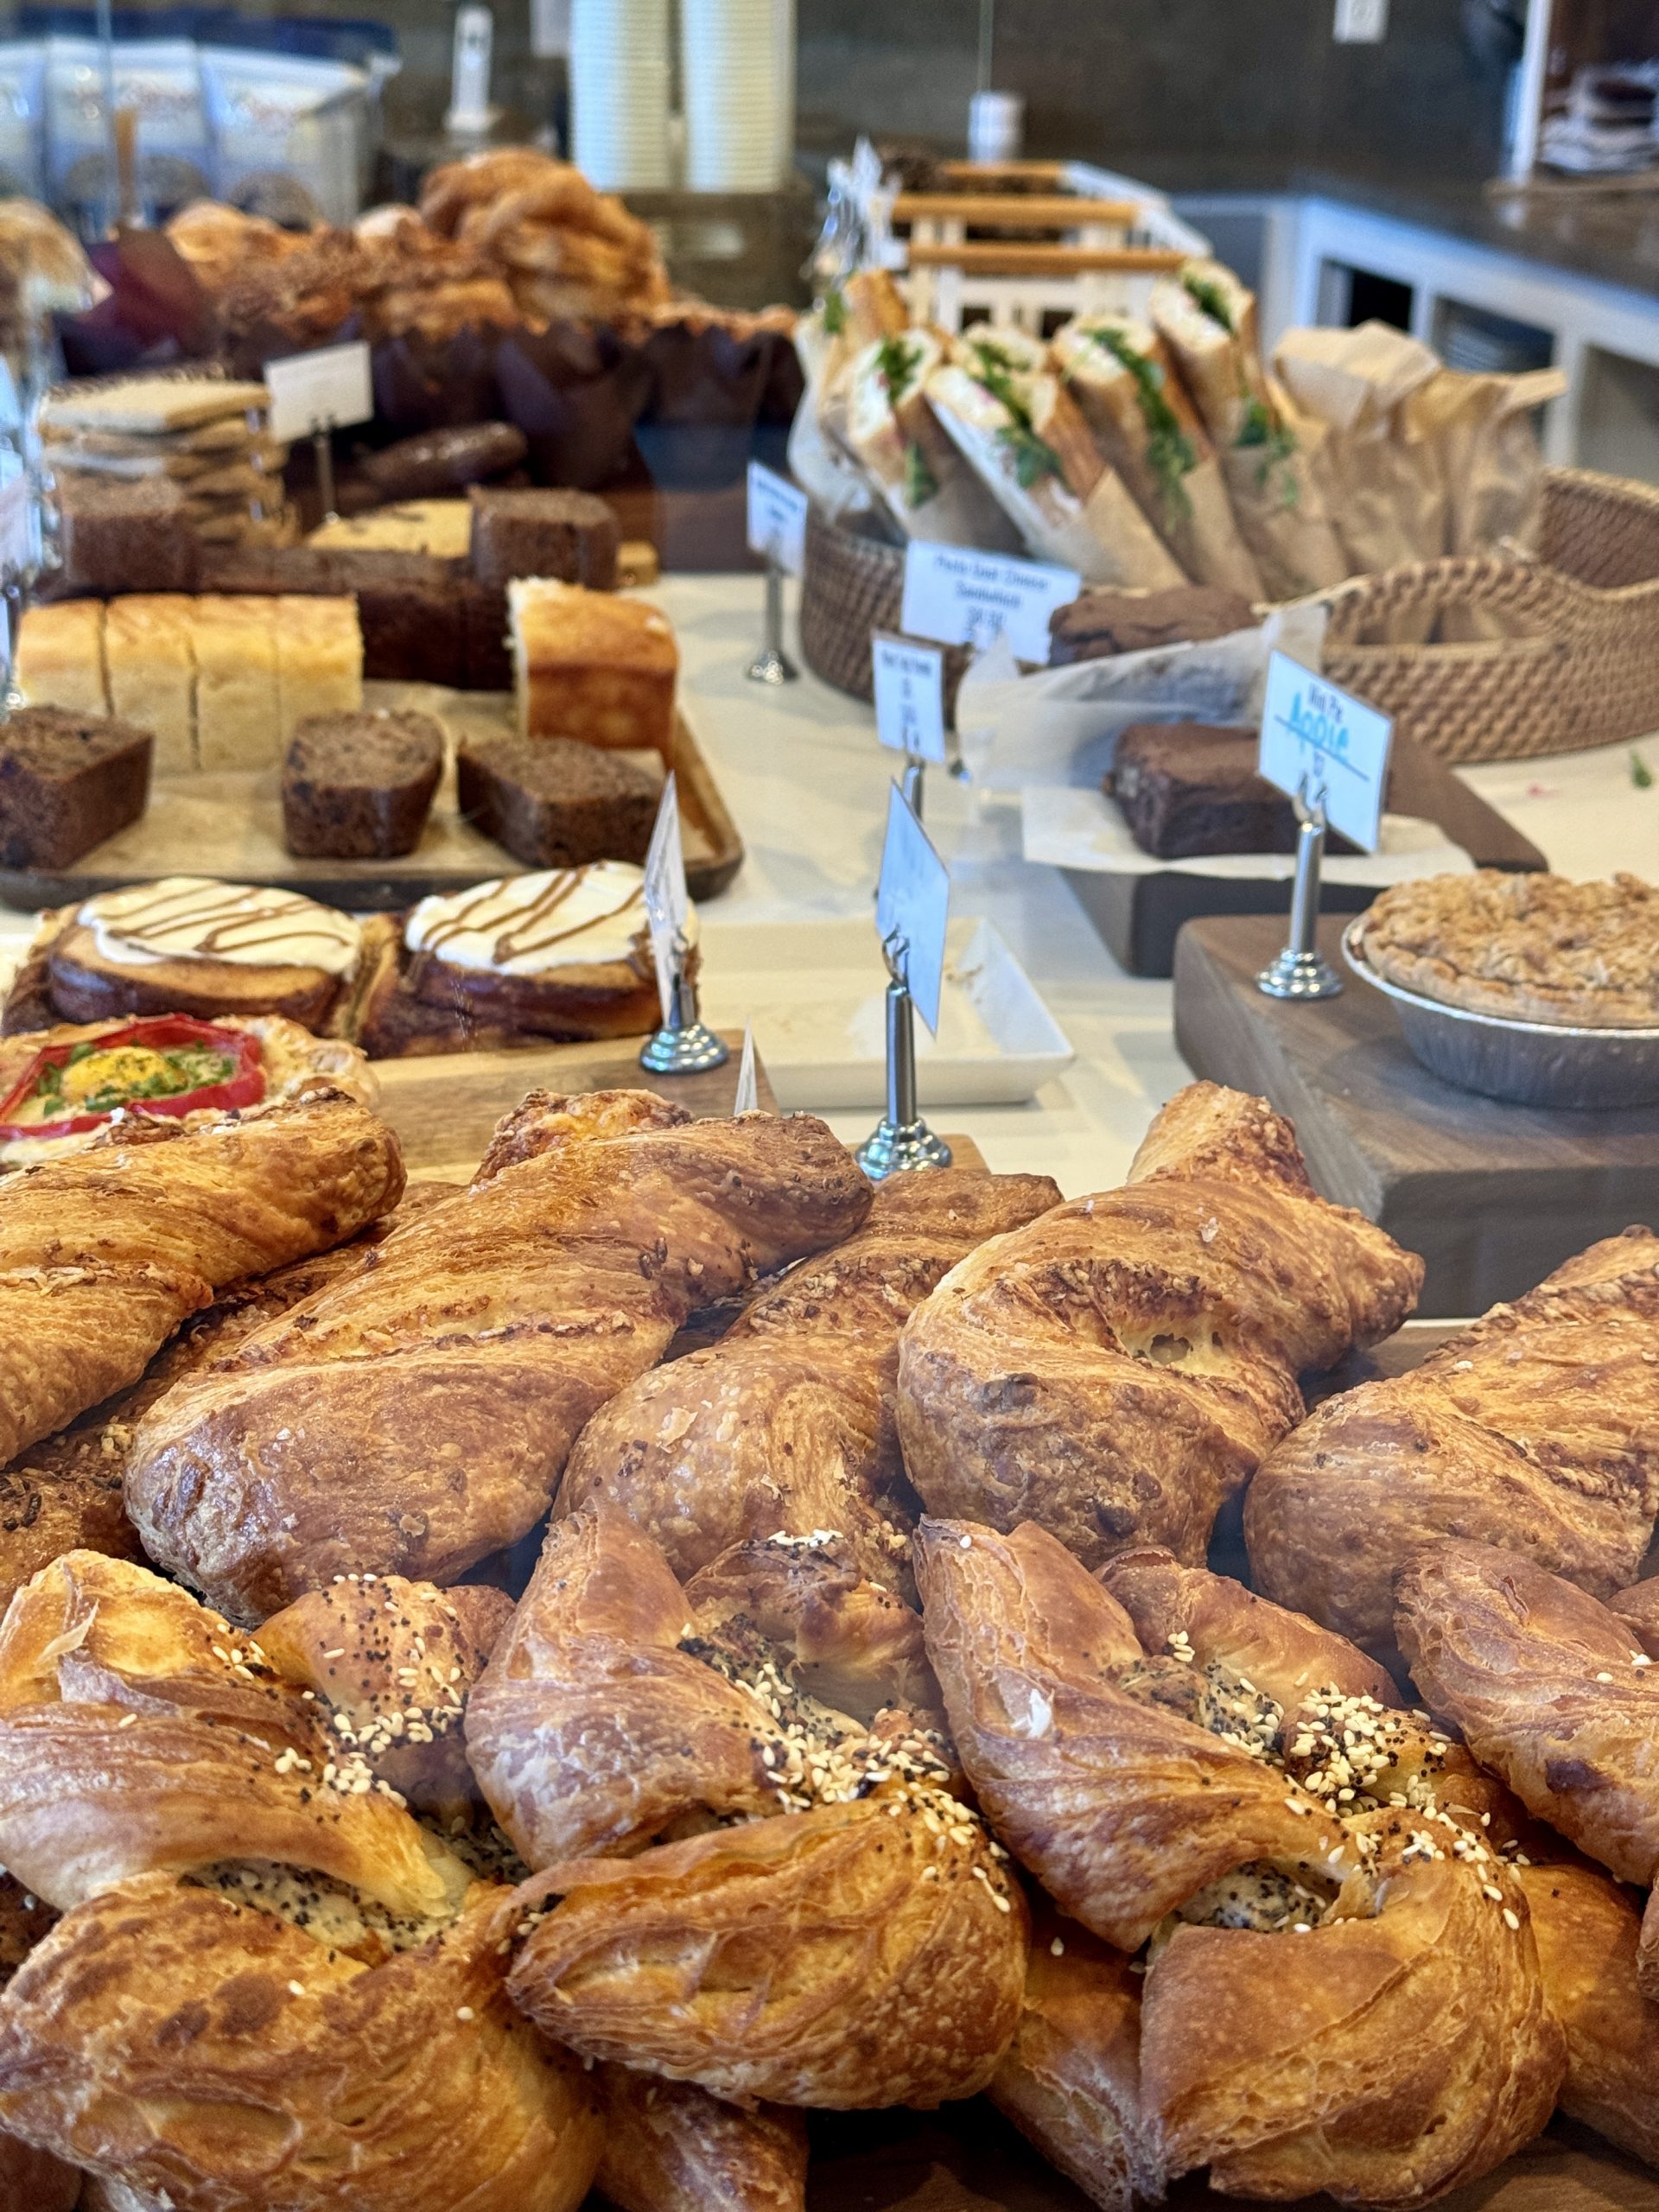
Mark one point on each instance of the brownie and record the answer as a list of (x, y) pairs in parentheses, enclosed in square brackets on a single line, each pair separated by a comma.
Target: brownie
[(67, 783), (1099, 623), (445, 460), (570, 536), (487, 649), (554, 802), (359, 787), (120, 536), (1188, 788)]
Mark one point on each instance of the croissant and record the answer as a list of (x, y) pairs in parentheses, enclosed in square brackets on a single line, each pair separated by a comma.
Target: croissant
[(417, 1417), (104, 1253), (787, 1422), (30, 2180), (64, 1493), (1587, 1930), (138, 1732), (1536, 1429), (672, 2147), (1118, 1368), (1071, 2081), (1549, 1690), (215, 2056), (1342, 1991)]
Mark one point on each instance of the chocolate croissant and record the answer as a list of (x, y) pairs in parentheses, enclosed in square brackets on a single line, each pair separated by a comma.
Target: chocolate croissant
[(417, 1417), (1342, 1991), (105, 1252), (787, 1422), (1118, 1368), (1537, 1429)]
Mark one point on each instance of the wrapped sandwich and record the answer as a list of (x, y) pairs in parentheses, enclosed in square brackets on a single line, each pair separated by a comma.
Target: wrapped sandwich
[(1119, 372), (1207, 319), (1031, 448), (929, 488), (868, 306)]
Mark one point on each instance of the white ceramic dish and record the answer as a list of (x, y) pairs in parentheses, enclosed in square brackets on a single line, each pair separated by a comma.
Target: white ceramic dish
[(815, 994)]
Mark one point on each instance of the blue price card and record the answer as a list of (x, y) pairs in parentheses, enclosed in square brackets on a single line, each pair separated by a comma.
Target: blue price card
[(913, 905), (909, 697), (1323, 745), (964, 598), (777, 518)]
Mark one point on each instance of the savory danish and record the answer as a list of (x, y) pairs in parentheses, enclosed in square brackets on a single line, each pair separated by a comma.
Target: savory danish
[(1118, 1368), (1342, 1990), (786, 1424), (103, 1254), (417, 1417), (1537, 1429)]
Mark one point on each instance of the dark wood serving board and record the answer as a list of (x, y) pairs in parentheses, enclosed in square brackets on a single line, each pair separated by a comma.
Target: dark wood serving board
[(1138, 917), (1493, 1195), (229, 825)]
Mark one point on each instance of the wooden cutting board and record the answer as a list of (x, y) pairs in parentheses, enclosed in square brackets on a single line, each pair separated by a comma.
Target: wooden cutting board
[(444, 1107), (1493, 1195)]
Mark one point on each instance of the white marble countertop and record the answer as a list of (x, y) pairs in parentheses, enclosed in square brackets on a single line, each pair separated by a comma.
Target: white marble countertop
[(806, 783)]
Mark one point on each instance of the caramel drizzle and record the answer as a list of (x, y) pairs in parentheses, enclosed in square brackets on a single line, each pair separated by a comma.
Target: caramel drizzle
[(520, 938), (225, 920)]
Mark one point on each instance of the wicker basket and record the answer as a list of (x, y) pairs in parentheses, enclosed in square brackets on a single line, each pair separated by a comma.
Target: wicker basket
[(1580, 665)]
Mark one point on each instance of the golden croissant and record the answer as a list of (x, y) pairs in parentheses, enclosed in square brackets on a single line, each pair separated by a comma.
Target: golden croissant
[(1118, 1368), (1342, 1990), (417, 1417), (1537, 1429), (787, 1422), (672, 2147), (104, 1253), (1587, 1930), (1551, 1691)]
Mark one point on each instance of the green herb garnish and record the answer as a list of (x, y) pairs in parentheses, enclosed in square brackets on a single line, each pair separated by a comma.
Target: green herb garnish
[(896, 364), (1641, 774), (1033, 457), (1170, 453), (1276, 442), (835, 312), (1210, 297), (921, 484)]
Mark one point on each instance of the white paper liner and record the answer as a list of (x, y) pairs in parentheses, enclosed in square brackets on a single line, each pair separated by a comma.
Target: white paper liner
[(1085, 829)]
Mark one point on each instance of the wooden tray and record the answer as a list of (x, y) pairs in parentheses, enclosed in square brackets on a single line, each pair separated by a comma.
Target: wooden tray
[(1493, 1195), (1138, 917), (444, 1107), (230, 825)]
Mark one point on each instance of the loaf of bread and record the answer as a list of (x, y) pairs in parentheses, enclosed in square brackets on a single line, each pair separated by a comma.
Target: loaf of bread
[(67, 783), (359, 786), (554, 802), (592, 665), (571, 536)]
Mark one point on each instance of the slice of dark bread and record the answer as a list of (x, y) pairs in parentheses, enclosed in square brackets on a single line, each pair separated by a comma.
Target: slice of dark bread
[(67, 781), (359, 786), (554, 802)]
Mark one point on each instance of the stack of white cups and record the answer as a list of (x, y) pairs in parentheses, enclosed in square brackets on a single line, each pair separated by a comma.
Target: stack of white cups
[(737, 66), (620, 93)]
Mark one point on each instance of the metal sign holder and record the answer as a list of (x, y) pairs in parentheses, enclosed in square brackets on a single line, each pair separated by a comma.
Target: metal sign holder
[(901, 1141), (1301, 970)]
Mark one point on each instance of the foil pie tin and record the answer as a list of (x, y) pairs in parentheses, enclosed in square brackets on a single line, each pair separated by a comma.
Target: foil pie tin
[(1527, 1063)]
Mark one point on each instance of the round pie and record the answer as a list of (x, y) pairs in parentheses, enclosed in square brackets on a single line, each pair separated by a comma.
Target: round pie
[(1528, 948)]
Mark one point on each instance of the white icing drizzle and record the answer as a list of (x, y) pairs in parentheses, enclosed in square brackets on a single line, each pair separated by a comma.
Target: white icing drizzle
[(530, 925), (194, 917)]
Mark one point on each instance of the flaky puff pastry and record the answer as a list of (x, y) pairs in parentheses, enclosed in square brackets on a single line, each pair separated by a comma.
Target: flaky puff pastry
[(1537, 1429), (1587, 1928), (396, 1661), (856, 1956), (1400, 2048), (138, 1732), (416, 1418), (1117, 1370), (787, 1422), (1551, 1691), (1071, 2081), (672, 2147), (212, 2053), (102, 1254), (1122, 1808), (30, 2180)]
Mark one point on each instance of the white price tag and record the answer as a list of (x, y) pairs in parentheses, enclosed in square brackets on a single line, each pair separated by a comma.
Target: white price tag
[(16, 539), (1327, 746), (748, 1099), (776, 519), (323, 390), (914, 901), (963, 598), (668, 904), (909, 697)]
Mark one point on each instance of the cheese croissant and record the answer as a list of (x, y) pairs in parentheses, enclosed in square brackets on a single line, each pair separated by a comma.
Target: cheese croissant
[(105, 1252), (787, 1422), (1536, 1429), (1118, 1368), (417, 1417)]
